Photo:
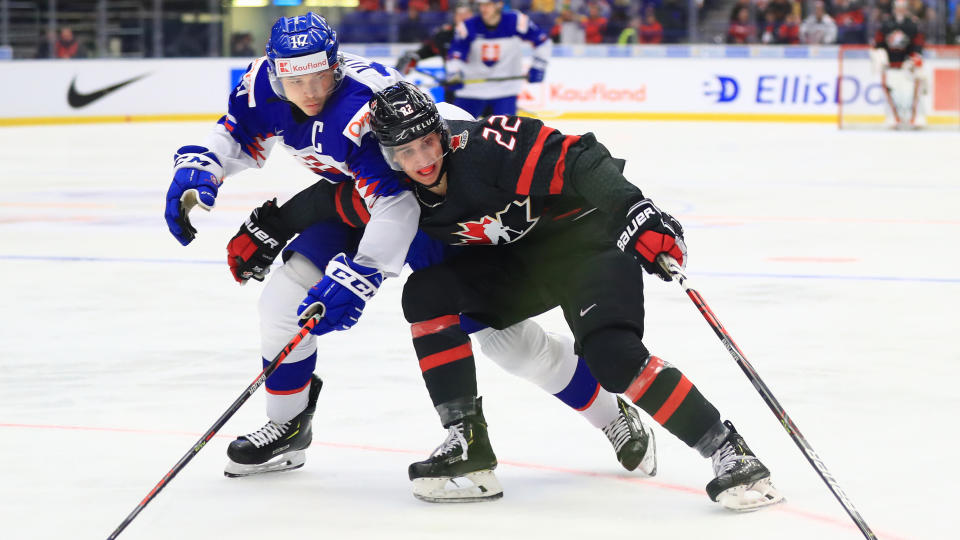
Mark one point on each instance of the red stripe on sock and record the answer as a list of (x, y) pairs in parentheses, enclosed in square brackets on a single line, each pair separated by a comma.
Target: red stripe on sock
[(288, 392), (433, 326), (643, 381), (673, 402), (450, 355), (596, 393), (526, 173)]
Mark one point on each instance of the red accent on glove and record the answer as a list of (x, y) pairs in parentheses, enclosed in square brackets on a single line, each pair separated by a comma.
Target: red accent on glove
[(651, 243), (917, 60), (240, 247)]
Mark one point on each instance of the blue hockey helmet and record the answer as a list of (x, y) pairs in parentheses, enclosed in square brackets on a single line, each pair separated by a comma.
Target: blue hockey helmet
[(302, 45)]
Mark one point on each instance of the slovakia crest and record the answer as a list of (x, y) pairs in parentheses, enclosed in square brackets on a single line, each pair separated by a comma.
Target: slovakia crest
[(507, 225)]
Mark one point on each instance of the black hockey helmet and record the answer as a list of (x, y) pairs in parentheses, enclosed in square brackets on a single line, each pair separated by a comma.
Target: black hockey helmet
[(403, 113)]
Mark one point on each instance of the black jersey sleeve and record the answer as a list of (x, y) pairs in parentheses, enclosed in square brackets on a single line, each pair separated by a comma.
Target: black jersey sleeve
[(323, 201), (540, 161), (597, 176)]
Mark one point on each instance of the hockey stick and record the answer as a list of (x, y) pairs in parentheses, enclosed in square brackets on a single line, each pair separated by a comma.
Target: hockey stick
[(445, 82), (267, 371), (671, 266)]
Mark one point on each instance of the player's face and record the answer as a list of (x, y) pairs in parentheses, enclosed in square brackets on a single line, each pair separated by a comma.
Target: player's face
[(421, 159), (490, 13), (309, 92)]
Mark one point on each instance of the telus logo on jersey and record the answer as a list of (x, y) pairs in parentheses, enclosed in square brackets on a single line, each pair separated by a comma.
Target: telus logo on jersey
[(508, 225)]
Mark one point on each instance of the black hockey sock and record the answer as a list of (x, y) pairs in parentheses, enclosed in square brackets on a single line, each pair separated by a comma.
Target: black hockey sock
[(673, 401), (446, 358)]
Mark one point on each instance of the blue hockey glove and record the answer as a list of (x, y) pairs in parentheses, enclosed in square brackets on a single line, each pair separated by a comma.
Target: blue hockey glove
[(340, 296), (537, 70), (197, 176)]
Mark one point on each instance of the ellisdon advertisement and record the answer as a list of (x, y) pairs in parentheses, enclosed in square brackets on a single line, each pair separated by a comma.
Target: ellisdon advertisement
[(705, 88)]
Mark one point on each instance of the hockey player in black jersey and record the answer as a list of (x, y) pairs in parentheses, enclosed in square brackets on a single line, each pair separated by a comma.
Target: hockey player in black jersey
[(897, 55), (550, 221), (329, 218)]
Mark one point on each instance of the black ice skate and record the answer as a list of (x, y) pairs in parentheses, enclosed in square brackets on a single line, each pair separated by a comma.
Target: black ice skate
[(460, 469), (742, 482), (633, 441), (274, 447)]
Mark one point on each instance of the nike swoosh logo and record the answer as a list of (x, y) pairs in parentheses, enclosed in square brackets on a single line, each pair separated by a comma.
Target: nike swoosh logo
[(76, 99), (585, 311)]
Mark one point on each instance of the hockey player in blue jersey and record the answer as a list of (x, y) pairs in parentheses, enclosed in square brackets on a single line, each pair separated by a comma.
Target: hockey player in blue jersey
[(486, 55), (311, 99), (307, 97)]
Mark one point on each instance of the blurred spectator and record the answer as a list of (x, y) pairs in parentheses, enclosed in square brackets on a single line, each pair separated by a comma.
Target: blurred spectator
[(850, 20), (672, 15), (924, 15), (618, 21), (735, 10), (241, 44), (43, 44), (544, 6), (770, 27), (568, 29), (789, 32), (882, 10), (368, 5), (818, 28), (650, 29), (953, 29), (741, 30), (67, 45), (411, 29), (594, 24), (630, 34), (780, 9)]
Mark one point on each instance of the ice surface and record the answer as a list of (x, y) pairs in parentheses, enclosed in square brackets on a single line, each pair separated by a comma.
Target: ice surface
[(831, 258)]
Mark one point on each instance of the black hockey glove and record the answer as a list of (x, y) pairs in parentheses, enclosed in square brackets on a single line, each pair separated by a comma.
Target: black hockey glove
[(407, 62), (650, 232), (261, 238)]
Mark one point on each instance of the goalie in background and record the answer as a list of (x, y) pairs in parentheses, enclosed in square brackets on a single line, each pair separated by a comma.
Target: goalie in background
[(898, 46)]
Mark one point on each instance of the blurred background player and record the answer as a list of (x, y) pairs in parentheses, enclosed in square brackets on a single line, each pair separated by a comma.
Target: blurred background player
[(437, 44), (897, 55), (486, 55), (311, 99), (542, 216)]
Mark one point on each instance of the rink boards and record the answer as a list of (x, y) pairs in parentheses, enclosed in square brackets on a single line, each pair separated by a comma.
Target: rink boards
[(698, 83)]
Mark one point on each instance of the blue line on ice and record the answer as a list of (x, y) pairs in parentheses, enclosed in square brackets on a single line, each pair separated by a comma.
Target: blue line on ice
[(743, 275)]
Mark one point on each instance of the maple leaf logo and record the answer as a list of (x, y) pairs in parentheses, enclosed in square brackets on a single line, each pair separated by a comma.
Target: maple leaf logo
[(509, 225)]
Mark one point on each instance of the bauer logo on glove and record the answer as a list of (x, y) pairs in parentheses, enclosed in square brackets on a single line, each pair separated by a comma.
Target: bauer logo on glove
[(650, 232)]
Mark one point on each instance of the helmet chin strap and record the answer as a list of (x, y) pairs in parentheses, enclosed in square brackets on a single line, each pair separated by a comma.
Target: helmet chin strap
[(443, 171)]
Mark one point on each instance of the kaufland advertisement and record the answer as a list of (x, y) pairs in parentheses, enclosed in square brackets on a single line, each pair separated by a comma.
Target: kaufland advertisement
[(705, 83)]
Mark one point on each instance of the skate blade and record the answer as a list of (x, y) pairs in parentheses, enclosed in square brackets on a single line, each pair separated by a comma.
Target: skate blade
[(750, 497), (286, 462), (648, 465), (477, 486)]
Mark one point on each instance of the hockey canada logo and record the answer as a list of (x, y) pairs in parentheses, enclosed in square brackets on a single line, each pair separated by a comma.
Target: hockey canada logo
[(508, 225), (458, 141)]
